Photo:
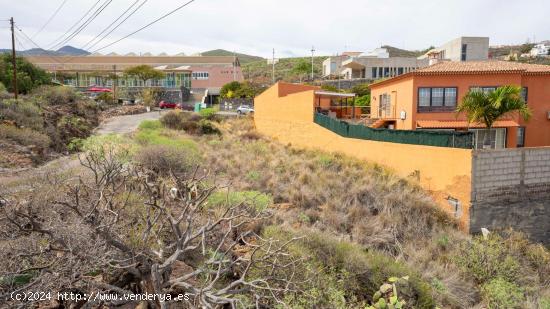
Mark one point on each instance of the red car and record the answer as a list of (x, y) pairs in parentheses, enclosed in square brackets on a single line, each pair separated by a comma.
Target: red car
[(166, 104)]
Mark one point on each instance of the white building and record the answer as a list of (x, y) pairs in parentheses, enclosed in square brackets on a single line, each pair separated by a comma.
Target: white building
[(460, 49), (540, 50), (370, 65)]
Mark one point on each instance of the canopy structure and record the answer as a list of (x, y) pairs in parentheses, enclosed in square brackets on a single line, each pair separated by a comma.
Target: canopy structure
[(98, 89), (336, 104), (462, 124)]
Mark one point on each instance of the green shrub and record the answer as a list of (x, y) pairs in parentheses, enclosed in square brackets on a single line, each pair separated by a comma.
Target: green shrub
[(150, 125), (208, 113), (161, 137), (544, 303), (24, 136), (24, 113), (486, 259), (75, 145), (502, 294), (206, 127), (57, 95), (258, 200), (366, 270), (108, 147), (190, 123), (3, 88), (105, 97)]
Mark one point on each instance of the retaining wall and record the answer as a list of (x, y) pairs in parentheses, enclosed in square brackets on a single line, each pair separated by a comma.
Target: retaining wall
[(511, 188)]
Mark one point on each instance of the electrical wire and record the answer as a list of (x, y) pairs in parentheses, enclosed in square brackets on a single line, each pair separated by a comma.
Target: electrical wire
[(146, 26), (121, 15), (85, 24), (19, 42), (74, 25), (48, 53), (50, 19)]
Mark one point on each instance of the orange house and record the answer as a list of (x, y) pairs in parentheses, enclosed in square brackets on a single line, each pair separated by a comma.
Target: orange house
[(426, 99)]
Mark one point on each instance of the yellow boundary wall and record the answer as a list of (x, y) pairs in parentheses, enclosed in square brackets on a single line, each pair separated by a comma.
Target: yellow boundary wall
[(444, 172)]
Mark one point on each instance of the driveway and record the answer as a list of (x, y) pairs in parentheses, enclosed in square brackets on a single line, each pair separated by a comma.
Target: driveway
[(22, 179), (126, 124)]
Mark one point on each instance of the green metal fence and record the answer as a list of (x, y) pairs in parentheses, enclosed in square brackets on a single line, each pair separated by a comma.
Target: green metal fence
[(415, 137)]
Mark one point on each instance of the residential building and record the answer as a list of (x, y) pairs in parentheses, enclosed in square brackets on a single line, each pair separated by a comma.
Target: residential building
[(460, 49), (426, 99), (370, 65), (198, 73), (540, 50), (333, 65)]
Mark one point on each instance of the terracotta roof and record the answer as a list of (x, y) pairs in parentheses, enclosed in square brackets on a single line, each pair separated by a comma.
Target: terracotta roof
[(488, 66), (461, 124), (151, 60), (472, 67)]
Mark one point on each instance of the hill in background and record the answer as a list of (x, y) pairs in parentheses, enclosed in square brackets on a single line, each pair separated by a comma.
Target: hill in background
[(398, 52), (63, 51), (243, 58)]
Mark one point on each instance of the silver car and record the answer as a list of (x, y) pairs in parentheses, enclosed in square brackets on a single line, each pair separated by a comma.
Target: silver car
[(245, 109)]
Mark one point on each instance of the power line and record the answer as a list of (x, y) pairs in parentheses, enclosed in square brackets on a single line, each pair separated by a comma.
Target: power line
[(19, 41), (38, 46), (86, 23), (118, 25), (75, 24), (65, 60), (148, 25), (50, 19)]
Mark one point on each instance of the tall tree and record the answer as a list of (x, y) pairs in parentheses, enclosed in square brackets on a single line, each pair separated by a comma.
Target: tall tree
[(302, 68), (144, 73), (29, 76), (488, 107)]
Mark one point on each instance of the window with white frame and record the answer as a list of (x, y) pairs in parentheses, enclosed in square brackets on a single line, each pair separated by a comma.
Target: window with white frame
[(433, 99), (200, 75)]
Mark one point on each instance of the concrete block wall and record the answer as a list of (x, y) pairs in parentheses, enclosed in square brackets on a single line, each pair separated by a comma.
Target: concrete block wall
[(511, 188)]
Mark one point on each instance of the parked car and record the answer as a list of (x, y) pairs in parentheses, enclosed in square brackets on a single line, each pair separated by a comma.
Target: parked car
[(167, 104), (245, 109), (184, 107)]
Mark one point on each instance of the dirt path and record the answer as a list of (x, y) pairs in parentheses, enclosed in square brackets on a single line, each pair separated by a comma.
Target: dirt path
[(18, 179)]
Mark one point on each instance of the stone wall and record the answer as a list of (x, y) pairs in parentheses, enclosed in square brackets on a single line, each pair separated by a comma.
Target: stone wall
[(511, 188)]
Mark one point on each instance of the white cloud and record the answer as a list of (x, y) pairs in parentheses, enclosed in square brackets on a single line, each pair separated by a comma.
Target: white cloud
[(289, 26)]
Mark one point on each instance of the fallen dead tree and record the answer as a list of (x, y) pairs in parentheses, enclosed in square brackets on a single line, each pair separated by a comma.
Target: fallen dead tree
[(123, 230)]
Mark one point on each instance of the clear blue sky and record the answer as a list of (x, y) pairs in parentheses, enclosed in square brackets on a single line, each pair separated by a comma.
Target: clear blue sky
[(289, 26)]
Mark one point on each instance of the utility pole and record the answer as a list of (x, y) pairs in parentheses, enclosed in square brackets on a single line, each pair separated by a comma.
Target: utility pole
[(234, 66), (13, 59), (273, 67), (338, 69), (115, 82), (312, 51)]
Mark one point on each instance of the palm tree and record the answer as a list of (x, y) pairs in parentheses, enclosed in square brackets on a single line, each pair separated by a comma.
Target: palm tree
[(488, 107)]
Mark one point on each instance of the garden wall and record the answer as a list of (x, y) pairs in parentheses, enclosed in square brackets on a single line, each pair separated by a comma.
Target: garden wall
[(511, 188), (444, 172)]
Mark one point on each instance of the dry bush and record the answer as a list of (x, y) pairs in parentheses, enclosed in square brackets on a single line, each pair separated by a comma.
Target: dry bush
[(166, 159), (123, 230), (25, 113), (364, 203), (191, 123), (24, 136), (57, 95)]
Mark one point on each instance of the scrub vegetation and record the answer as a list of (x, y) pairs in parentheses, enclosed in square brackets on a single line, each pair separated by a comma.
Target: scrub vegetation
[(48, 121), (273, 226)]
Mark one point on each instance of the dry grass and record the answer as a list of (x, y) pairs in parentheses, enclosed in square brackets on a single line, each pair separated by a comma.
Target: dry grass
[(360, 202)]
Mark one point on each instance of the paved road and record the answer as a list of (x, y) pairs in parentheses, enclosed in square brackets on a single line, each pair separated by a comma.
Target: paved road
[(20, 179), (126, 124)]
